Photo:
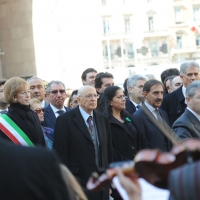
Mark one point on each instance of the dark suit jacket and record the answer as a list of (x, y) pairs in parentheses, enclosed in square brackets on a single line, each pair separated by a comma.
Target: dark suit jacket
[(187, 126), (174, 105), (154, 136), (184, 182), (50, 118), (74, 145), (130, 107), (30, 173), (127, 138)]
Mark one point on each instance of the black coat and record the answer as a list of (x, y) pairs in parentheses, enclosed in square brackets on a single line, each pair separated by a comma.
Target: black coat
[(187, 126), (28, 121), (130, 107), (74, 145), (50, 118), (127, 138), (30, 173), (174, 105), (154, 136)]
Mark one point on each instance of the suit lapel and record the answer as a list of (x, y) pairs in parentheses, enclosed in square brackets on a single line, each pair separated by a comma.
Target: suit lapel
[(114, 121), (193, 120), (179, 94), (99, 124), (153, 120), (78, 119), (50, 115), (149, 115)]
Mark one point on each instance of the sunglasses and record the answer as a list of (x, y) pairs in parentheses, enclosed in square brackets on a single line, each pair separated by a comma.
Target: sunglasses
[(56, 91), (39, 110)]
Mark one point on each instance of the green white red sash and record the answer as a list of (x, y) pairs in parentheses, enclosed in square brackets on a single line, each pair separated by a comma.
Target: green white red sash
[(14, 132)]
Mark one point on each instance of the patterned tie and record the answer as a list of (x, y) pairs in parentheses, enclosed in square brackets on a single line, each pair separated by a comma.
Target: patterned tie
[(159, 118), (89, 121), (60, 112)]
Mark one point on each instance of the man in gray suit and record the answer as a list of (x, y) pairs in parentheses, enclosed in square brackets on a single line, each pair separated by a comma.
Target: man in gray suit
[(188, 124)]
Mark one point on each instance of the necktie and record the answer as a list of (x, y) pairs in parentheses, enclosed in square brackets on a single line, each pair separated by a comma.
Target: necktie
[(159, 118), (60, 112), (89, 121), (138, 106)]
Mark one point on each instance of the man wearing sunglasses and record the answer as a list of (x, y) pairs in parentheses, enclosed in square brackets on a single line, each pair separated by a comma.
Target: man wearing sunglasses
[(57, 96)]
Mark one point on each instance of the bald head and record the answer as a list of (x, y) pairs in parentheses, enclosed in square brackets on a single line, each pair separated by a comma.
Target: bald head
[(84, 89), (87, 98)]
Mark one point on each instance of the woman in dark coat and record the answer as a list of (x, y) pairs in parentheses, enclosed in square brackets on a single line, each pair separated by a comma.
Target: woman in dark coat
[(17, 94), (127, 132)]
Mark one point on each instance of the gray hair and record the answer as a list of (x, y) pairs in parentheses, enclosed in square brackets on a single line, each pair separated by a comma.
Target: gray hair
[(33, 77), (54, 82), (150, 76), (188, 64), (133, 79), (191, 89)]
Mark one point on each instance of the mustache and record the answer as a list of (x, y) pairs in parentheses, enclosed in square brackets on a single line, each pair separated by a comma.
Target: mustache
[(158, 100)]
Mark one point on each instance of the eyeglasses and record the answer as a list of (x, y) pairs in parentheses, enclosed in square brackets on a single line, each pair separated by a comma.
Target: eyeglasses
[(39, 110), (90, 96), (56, 91)]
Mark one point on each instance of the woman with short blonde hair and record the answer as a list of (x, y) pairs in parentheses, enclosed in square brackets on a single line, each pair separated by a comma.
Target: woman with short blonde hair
[(21, 124)]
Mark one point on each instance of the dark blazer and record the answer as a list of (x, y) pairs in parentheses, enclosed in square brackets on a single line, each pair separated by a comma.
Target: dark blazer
[(184, 182), (27, 121), (49, 117), (154, 136), (130, 107), (174, 105), (127, 138), (187, 126), (30, 173), (74, 145)]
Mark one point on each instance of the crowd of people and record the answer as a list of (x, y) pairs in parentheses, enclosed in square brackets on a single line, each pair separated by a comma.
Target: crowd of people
[(100, 124)]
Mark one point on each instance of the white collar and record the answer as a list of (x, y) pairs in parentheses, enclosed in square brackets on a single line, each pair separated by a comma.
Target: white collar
[(151, 108), (135, 104), (56, 109), (184, 91), (84, 114), (42, 104)]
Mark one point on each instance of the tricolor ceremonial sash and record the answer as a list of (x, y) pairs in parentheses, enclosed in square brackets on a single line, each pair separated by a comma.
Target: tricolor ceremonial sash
[(14, 132)]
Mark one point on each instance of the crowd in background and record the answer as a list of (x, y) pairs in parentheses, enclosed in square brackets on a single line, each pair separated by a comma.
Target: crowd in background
[(100, 123)]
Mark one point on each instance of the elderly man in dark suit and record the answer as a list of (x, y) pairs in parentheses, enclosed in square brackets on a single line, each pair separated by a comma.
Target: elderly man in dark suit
[(188, 124), (174, 103), (57, 96), (135, 86), (83, 140), (151, 116)]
